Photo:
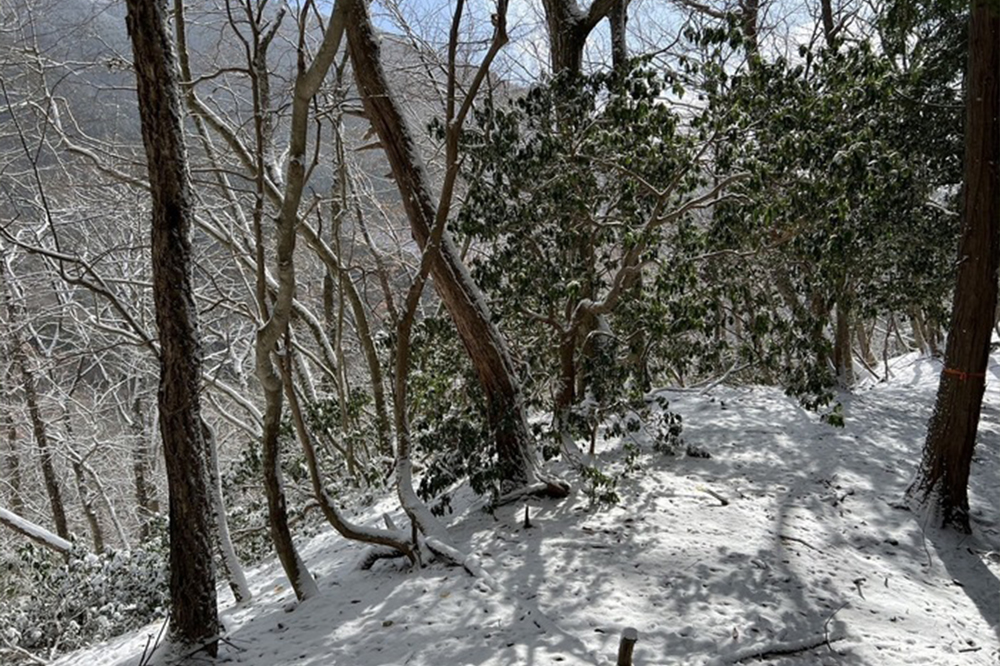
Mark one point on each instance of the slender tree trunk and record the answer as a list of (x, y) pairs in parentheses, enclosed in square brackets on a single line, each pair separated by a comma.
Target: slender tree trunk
[(619, 35), (919, 337), (193, 610), (145, 490), (84, 491), (749, 15), (864, 341), (87, 502), (482, 340), (12, 457), (842, 345), (943, 476), (566, 395), (38, 425), (234, 570)]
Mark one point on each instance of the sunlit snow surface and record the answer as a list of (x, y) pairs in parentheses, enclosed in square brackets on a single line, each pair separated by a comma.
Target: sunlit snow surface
[(813, 544)]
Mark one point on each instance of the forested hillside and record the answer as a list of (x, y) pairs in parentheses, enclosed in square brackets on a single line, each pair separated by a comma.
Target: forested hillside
[(673, 316)]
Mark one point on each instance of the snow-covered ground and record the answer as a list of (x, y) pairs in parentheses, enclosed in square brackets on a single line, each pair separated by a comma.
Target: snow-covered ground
[(813, 555)]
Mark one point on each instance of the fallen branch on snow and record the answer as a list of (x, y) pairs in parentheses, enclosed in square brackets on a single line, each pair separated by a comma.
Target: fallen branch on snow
[(776, 650)]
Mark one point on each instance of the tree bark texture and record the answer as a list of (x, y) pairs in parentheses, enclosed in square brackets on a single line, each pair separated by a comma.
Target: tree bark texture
[(482, 340), (569, 26), (193, 609), (943, 475), (619, 36)]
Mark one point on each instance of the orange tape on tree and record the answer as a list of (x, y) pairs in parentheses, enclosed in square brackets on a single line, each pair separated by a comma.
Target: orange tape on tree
[(963, 375)]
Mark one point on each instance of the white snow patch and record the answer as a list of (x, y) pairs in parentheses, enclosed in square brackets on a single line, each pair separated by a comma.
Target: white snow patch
[(814, 544)]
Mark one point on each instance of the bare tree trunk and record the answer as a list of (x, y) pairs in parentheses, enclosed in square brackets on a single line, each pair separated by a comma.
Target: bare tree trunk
[(193, 610), (482, 340), (829, 30), (749, 15), (569, 26), (842, 345), (12, 458), (919, 338), (145, 490), (38, 426), (234, 570), (619, 35), (87, 502), (83, 489), (864, 341), (943, 476)]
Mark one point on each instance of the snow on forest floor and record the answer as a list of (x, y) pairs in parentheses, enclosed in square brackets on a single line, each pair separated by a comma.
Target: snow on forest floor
[(814, 544)]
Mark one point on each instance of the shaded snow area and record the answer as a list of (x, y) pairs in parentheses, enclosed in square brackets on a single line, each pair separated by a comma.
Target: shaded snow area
[(814, 560)]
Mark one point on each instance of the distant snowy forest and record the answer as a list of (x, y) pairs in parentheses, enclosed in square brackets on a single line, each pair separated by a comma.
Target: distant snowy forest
[(652, 332)]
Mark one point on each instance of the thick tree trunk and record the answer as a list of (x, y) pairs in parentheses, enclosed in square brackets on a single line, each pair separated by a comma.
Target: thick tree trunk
[(829, 31), (943, 476), (193, 610), (567, 35), (482, 340)]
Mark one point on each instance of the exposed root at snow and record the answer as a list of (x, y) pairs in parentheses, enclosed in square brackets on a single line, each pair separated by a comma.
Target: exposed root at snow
[(373, 554)]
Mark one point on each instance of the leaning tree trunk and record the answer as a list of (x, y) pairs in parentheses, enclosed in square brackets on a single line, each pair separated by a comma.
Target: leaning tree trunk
[(943, 477), (38, 426), (194, 619), (483, 342)]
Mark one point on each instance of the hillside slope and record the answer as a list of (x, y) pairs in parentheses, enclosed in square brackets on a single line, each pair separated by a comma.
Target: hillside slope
[(812, 561)]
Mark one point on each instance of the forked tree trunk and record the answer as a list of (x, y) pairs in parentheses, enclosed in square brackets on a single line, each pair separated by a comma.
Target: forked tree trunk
[(194, 619), (465, 303), (943, 476)]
